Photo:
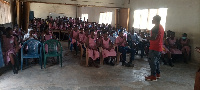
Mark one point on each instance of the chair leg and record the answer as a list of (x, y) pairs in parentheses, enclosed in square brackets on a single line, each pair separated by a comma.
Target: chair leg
[(118, 57), (44, 62), (40, 60), (87, 58), (26, 61), (71, 46), (61, 60), (58, 59), (81, 52), (21, 63), (101, 59)]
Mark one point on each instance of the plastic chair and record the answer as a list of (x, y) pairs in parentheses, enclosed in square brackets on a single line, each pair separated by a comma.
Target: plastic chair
[(34, 50), (53, 46)]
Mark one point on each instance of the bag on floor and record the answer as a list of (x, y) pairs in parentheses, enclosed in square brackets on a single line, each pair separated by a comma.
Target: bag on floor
[(197, 81)]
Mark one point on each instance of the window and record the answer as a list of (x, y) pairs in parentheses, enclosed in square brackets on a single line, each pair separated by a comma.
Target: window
[(105, 18), (143, 18), (84, 16)]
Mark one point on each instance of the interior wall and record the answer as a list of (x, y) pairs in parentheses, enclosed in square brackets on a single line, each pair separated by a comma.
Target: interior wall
[(94, 13), (42, 10), (183, 17)]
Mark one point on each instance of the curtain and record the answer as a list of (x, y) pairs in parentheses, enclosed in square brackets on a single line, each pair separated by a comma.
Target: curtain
[(5, 15)]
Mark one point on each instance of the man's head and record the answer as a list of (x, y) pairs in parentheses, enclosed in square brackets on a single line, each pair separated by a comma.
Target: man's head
[(156, 19)]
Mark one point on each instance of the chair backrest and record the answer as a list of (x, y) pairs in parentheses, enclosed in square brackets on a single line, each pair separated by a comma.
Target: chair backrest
[(33, 46), (54, 46)]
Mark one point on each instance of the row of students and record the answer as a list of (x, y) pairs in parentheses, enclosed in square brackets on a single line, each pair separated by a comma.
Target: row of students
[(94, 39), (174, 46)]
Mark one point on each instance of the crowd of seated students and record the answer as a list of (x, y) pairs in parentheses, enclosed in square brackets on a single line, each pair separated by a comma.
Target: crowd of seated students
[(127, 42), (111, 41), (12, 40), (92, 36), (174, 48), (80, 32)]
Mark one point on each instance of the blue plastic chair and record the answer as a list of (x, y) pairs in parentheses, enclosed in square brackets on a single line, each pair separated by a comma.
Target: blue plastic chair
[(34, 51)]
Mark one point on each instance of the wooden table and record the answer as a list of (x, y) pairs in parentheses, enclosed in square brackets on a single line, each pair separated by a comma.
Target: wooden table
[(65, 32), (59, 32)]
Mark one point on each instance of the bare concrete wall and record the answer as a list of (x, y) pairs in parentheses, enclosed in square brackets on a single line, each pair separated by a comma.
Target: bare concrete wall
[(183, 16), (42, 10), (94, 13)]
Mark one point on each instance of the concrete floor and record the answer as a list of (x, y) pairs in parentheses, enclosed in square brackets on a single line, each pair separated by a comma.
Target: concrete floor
[(75, 76)]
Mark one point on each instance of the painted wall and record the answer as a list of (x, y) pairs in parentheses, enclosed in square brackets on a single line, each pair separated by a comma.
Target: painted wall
[(183, 16), (94, 13), (42, 10)]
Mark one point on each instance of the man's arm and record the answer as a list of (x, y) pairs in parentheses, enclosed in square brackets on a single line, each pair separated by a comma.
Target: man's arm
[(154, 34)]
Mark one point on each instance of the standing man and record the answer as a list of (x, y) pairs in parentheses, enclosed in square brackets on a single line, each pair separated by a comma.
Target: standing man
[(156, 41)]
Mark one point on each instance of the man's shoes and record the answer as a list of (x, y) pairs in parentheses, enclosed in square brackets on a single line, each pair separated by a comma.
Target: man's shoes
[(158, 76), (151, 78), (124, 64), (171, 65), (130, 65)]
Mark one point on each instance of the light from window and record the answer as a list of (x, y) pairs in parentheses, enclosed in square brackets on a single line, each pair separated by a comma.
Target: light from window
[(136, 19), (152, 13), (143, 18), (105, 18), (84, 16), (163, 14)]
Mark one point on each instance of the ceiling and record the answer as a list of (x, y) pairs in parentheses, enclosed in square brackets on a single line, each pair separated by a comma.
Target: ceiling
[(106, 3)]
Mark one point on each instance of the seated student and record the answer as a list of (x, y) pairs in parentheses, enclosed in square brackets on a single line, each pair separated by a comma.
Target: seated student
[(54, 25), (47, 35), (168, 34), (135, 39), (50, 26), (10, 47), (99, 39), (29, 36), (108, 49), (185, 47), (92, 50), (173, 42), (87, 34), (112, 37), (61, 26), (74, 36), (81, 37), (166, 52), (134, 36), (65, 26), (121, 43), (143, 45)]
